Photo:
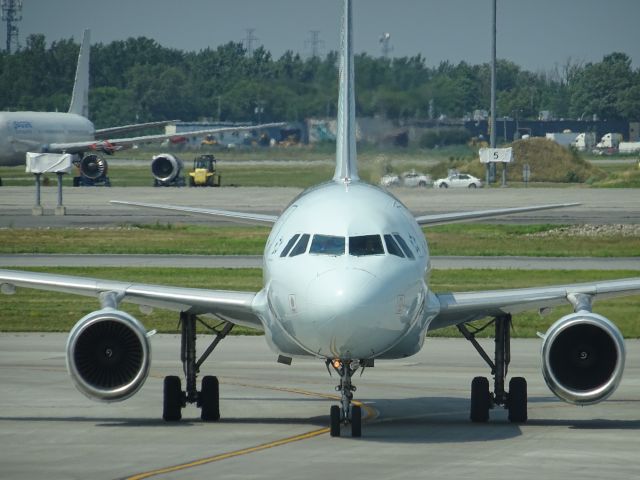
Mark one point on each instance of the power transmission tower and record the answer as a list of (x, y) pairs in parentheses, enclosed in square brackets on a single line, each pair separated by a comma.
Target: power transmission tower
[(385, 46), (314, 43), (12, 13), (249, 41)]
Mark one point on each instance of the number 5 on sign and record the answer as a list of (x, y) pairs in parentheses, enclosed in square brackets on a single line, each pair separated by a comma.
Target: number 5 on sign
[(502, 155)]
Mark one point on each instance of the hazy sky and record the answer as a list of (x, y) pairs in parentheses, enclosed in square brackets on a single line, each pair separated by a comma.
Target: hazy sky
[(536, 34)]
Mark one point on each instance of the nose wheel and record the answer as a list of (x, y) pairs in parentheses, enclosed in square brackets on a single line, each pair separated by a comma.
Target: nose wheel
[(346, 413)]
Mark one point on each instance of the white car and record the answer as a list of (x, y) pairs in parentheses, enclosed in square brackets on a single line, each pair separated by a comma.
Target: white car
[(459, 180), (415, 179), (390, 180)]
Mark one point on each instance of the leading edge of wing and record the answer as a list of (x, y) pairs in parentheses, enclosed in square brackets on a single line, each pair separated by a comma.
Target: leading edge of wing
[(254, 218), (460, 307), (235, 306), (460, 216), (113, 144)]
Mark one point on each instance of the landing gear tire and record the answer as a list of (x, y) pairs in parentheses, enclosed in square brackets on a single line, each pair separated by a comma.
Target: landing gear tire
[(173, 400), (356, 421), (480, 400), (517, 400), (335, 420), (209, 399)]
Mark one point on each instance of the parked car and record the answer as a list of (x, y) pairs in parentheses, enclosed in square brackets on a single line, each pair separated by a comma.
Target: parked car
[(415, 179), (459, 180), (390, 180), (407, 179)]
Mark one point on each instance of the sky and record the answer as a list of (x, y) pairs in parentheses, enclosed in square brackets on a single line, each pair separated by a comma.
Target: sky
[(538, 35)]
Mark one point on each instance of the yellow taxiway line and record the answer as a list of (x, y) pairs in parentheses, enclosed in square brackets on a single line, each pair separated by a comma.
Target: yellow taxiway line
[(370, 413)]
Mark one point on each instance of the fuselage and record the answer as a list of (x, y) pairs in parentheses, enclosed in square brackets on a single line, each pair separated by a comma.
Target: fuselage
[(345, 271), (22, 132)]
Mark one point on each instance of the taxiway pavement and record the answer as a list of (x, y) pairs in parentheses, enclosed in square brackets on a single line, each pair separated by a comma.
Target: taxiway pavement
[(275, 417)]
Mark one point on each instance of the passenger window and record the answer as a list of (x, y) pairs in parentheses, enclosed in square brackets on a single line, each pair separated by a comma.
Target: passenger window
[(405, 248), (365, 245), (327, 245), (301, 246), (392, 246), (290, 245)]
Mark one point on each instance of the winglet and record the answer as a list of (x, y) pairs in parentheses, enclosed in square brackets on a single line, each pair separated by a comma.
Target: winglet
[(346, 160), (80, 98)]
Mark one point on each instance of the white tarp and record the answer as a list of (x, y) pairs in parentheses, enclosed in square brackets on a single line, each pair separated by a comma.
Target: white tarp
[(49, 162), (502, 155)]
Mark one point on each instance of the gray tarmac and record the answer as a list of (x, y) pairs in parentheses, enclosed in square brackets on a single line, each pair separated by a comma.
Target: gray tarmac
[(255, 261), (90, 207), (275, 417)]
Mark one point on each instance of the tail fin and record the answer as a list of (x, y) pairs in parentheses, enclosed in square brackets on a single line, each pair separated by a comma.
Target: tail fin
[(346, 159), (80, 97)]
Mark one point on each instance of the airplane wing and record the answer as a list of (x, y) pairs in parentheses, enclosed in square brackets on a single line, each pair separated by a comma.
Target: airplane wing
[(235, 307), (252, 218), (461, 307), (458, 217), (115, 144), (103, 133)]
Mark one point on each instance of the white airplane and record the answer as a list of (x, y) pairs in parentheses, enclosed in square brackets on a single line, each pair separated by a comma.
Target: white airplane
[(346, 270), (73, 132)]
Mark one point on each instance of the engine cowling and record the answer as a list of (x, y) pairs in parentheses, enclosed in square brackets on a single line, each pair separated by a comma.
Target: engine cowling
[(108, 355), (165, 167), (93, 166), (583, 358)]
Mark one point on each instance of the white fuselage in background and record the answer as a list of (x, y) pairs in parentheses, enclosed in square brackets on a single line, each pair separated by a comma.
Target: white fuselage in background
[(339, 281), (22, 132)]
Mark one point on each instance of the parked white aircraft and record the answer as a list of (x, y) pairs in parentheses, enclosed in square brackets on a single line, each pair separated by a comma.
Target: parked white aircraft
[(73, 132), (346, 271)]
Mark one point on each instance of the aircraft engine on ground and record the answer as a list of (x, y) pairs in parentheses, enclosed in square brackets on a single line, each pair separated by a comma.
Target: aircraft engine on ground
[(108, 355), (583, 358), (93, 171), (167, 170)]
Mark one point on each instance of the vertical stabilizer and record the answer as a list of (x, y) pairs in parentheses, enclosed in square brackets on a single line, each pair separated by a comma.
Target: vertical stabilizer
[(346, 160), (80, 97)]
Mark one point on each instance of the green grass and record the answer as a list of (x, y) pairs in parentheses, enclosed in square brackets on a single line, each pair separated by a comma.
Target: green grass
[(457, 239), (34, 310)]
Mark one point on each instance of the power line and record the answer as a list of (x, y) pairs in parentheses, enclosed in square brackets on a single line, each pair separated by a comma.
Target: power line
[(12, 13)]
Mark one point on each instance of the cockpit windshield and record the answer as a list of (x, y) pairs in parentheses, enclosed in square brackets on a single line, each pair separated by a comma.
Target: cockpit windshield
[(365, 245), (327, 245)]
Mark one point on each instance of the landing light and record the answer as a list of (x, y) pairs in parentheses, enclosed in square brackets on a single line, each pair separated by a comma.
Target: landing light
[(336, 363)]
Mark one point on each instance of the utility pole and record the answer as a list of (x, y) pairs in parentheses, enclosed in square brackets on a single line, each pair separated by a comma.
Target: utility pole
[(249, 41), (314, 43), (492, 137), (12, 13)]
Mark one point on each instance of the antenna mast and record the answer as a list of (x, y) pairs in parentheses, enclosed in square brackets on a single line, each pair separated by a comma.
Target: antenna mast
[(12, 13)]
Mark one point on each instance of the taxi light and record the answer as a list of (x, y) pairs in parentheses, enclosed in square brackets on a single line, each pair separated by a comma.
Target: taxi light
[(336, 363)]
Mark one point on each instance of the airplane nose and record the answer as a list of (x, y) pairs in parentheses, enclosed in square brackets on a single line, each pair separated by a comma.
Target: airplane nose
[(342, 289)]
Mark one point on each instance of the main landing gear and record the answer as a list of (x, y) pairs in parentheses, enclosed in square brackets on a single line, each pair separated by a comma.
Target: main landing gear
[(345, 413), (208, 398), (482, 400)]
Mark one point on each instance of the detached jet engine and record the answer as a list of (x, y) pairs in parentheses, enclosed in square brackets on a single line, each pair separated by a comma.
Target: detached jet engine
[(93, 172), (167, 171), (108, 355), (583, 358)]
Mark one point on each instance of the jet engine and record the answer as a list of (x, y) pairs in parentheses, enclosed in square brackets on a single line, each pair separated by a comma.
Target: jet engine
[(108, 355), (166, 170), (93, 171), (583, 358)]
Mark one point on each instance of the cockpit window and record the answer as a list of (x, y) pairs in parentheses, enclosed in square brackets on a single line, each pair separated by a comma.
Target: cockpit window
[(405, 248), (365, 245), (301, 246), (392, 246), (290, 245), (327, 245)]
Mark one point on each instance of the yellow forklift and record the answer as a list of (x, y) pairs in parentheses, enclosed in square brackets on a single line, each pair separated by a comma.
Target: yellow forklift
[(204, 172)]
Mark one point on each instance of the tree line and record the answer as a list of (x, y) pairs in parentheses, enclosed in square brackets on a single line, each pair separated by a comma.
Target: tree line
[(138, 80)]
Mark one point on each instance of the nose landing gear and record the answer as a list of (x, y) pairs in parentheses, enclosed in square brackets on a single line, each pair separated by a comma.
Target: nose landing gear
[(345, 413)]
